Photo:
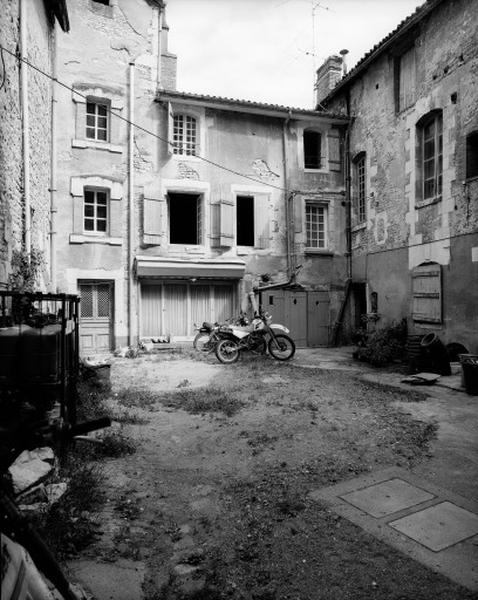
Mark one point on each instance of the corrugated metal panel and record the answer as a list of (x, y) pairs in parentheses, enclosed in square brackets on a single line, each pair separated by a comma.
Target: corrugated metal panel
[(200, 304), (175, 309), (151, 310), (223, 302)]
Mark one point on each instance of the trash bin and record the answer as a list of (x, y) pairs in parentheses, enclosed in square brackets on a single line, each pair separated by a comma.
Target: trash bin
[(469, 367), (436, 353)]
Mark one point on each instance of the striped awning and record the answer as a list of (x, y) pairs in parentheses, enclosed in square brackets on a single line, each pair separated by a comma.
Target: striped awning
[(154, 266)]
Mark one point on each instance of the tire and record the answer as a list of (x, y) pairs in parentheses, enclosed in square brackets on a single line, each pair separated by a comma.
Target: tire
[(286, 348), (227, 351), (203, 342)]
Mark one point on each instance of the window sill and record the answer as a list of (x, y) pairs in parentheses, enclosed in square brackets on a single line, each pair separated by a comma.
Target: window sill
[(184, 157), (319, 251), (321, 170), (114, 148), (427, 202), (79, 238), (359, 227)]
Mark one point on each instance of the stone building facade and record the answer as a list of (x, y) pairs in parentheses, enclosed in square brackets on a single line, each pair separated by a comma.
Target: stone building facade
[(413, 167), (173, 206), (31, 28)]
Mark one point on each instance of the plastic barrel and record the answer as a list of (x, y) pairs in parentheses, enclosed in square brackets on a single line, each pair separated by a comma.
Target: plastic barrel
[(40, 354), (469, 366)]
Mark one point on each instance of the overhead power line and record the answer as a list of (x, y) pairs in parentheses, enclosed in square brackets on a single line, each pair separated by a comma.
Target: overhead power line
[(143, 129)]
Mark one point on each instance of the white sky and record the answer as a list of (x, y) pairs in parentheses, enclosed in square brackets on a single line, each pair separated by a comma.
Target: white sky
[(262, 50)]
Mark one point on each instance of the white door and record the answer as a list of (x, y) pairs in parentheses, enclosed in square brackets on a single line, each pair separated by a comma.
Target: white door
[(96, 317)]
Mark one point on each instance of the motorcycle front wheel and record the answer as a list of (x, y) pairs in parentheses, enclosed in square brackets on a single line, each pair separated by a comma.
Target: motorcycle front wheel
[(227, 351), (281, 347), (203, 342)]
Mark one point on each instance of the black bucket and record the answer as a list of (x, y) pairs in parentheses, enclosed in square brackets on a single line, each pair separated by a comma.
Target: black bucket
[(469, 366), (436, 353)]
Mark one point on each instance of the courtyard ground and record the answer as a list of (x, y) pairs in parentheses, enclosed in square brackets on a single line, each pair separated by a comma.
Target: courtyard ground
[(216, 502)]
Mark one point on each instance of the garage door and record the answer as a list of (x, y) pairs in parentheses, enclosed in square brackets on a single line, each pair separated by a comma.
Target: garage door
[(173, 308)]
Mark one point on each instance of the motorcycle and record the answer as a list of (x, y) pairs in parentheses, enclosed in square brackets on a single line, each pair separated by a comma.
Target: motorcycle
[(208, 335), (260, 335)]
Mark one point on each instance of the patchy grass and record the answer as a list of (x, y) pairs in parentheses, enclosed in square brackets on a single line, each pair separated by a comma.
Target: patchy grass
[(203, 400), (71, 524), (136, 398)]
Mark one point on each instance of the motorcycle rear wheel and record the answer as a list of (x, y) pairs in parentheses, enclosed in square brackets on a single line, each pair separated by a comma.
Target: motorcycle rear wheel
[(203, 342), (282, 348), (227, 351)]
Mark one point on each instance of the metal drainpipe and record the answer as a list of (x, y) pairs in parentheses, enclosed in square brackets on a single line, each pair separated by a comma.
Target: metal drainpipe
[(287, 195), (130, 201), (25, 125), (160, 48), (53, 167), (348, 202)]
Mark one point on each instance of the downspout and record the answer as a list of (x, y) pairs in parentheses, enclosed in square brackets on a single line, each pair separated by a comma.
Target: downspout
[(287, 195), (131, 202), (25, 125), (53, 167)]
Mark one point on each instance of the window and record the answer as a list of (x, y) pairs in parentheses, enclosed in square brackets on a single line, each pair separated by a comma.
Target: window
[(245, 220), (312, 149), (95, 215), (472, 155), (185, 219), (405, 80), (105, 2), (316, 225), (97, 121), (184, 135), (430, 138), (360, 188)]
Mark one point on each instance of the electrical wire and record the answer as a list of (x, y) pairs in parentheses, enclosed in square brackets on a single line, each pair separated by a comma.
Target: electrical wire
[(143, 129)]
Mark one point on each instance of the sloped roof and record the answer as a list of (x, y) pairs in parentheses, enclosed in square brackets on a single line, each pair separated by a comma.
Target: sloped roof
[(403, 27), (221, 103)]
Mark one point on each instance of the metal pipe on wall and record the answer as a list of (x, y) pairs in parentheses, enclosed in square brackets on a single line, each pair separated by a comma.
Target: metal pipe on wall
[(53, 167), (287, 194), (25, 125), (131, 202)]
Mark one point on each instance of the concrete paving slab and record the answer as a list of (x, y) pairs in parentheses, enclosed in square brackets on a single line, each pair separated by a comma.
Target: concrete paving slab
[(387, 498), (439, 526), (459, 561), (110, 581)]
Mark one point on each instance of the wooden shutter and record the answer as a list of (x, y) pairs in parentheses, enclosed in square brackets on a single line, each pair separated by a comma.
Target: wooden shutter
[(154, 219), (426, 293), (335, 158), (407, 79), (226, 216), (170, 136), (298, 210), (261, 221)]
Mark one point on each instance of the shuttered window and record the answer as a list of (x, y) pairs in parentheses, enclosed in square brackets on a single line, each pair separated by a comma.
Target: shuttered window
[(426, 293), (406, 79)]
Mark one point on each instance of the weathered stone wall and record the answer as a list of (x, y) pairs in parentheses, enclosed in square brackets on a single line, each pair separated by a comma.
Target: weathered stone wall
[(446, 55), (12, 217)]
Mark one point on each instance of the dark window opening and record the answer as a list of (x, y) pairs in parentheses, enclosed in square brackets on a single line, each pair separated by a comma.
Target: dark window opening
[(312, 149), (105, 2), (472, 155), (245, 220), (360, 302), (374, 302), (185, 219)]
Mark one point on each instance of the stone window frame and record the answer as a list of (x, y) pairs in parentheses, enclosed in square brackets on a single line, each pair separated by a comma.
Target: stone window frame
[(434, 116), (97, 94), (113, 237), (312, 203), (360, 188)]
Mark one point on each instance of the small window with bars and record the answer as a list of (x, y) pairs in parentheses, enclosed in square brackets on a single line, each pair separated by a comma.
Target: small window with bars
[(95, 216), (316, 225), (184, 135), (97, 121)]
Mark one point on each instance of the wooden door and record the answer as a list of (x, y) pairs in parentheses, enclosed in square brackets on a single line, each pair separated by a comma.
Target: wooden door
[(96, 317), (318, 318)]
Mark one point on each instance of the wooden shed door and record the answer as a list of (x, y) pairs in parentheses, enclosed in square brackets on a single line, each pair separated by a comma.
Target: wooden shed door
[(426, 293), (318, 318)]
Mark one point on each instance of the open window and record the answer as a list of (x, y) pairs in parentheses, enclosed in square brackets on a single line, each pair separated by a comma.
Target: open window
[(312, 149), (472, 155), (185, 219), (245, 220)]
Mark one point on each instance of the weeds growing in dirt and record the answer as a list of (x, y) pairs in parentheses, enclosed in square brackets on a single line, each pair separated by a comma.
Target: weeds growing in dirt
[(203, 400)]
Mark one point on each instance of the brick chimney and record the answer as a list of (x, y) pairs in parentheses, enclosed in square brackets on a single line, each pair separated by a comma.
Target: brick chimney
[(328, 75)]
